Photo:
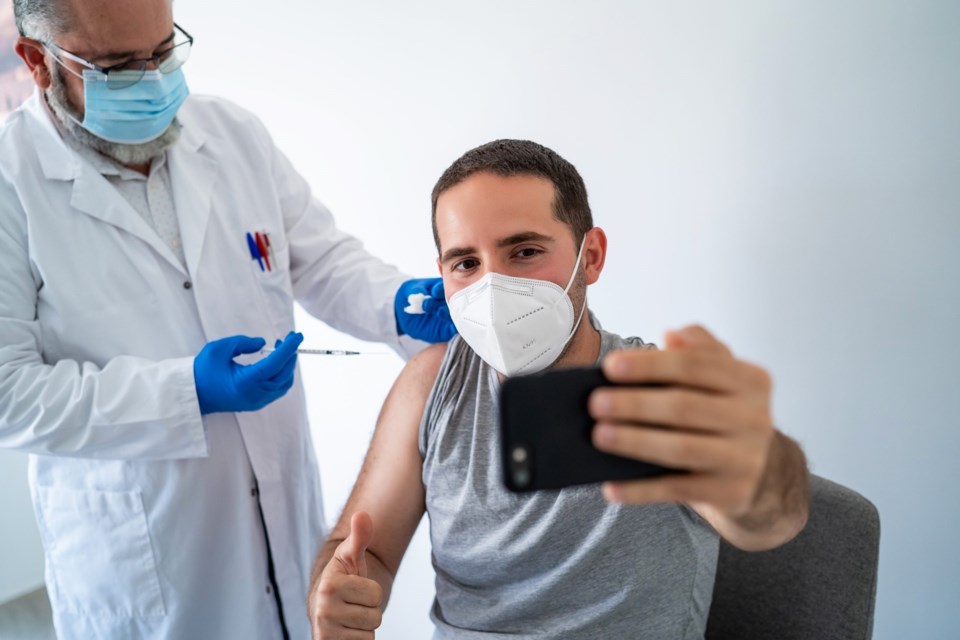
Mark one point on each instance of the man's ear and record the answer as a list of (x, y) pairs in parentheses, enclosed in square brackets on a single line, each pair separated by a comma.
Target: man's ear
[(34, 56), (594, 253)]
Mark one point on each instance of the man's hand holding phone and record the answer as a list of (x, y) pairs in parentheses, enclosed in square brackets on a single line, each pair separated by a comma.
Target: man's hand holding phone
[(712, 418)]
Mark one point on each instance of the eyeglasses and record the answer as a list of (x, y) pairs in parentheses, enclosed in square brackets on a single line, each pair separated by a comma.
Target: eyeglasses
[(130, 72)]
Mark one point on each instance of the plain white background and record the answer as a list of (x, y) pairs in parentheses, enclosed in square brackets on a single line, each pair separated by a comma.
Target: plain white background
[(785, 173)]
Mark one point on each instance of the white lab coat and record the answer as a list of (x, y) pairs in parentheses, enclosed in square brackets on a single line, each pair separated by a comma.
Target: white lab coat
[(148, 511)]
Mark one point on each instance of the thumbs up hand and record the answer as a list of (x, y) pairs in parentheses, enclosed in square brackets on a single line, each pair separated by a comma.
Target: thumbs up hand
[(346, 603), (352, 552)]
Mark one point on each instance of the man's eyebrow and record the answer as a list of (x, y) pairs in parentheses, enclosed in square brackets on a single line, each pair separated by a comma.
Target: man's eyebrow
[(525, 236), (509, 241), (457, 252), (115, 55)]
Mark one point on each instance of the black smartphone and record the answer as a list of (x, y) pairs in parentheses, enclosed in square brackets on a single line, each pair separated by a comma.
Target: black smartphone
[(545, 433)]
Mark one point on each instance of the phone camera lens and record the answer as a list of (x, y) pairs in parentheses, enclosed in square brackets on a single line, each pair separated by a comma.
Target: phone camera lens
[(522, 477), (520, 466)]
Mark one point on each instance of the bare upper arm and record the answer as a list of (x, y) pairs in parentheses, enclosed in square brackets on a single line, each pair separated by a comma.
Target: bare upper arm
[(389, 487)]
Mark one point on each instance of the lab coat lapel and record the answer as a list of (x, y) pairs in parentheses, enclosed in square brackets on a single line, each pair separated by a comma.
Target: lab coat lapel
[(96, 197), (193, 176), (92, 194)]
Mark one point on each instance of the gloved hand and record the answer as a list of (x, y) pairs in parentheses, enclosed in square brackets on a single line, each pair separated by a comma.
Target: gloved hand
[(422, 312), (224, 385)]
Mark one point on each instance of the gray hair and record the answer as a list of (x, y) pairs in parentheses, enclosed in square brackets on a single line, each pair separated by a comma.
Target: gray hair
[(41, 19)]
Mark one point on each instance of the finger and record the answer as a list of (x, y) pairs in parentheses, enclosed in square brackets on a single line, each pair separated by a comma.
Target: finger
[(341, 633), (273, 369), (694, 336), (435, 288), (437, 307), (357, 617), (338, 593), (278, 387), (359, 591), (678, 450), (290, 342), (729, 494), (337, 619), (685, 488), (271, 396), (697, 368), (354, 634), (244, 344), (352, 552), (276, 361), (678, 407), (286, 374)]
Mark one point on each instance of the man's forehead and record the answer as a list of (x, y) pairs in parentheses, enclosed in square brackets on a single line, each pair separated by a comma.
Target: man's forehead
[(469, 227), (489, 197), (487, 208)]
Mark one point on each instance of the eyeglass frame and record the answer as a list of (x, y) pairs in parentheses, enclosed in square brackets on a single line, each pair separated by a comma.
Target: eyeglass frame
[(119, 67)]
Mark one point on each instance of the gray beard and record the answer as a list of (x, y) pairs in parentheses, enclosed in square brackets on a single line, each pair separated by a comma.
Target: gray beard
[(125, 154)]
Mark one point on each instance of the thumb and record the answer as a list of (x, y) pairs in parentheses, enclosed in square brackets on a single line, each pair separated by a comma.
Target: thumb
[(352, 552), (437, 306)]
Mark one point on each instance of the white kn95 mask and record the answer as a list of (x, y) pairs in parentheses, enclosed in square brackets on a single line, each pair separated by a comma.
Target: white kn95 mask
[(516, 325)]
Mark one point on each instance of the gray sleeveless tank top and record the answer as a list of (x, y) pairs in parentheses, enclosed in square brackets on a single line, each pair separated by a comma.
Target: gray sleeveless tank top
[(550, 564)]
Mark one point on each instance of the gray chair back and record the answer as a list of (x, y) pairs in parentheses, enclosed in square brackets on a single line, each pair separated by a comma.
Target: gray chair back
[(822, 585)]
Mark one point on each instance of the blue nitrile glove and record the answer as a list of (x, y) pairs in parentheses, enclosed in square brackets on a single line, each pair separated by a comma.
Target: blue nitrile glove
[(422, 311), (224, 385)]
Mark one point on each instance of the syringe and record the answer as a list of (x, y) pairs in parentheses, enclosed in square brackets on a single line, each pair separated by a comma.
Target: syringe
[(319, 352)]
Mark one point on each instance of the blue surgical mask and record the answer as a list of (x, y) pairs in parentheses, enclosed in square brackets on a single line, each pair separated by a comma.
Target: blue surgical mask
[(135, 114)]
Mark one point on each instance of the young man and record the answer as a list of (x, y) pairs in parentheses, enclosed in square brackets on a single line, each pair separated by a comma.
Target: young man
[(517, 250)]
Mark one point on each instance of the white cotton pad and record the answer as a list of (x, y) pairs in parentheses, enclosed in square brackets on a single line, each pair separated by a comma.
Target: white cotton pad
[(415, 303)]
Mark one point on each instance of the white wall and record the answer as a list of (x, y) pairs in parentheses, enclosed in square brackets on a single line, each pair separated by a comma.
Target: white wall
[(785, 173)]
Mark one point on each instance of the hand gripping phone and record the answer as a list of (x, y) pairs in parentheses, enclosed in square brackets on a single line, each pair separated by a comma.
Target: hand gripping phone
[(545, 433)]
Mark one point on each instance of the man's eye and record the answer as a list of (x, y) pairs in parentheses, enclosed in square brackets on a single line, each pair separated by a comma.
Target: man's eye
[(465, 265), (528, 252)]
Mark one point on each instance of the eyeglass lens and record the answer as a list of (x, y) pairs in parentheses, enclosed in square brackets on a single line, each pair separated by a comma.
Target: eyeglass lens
[(167, 62)]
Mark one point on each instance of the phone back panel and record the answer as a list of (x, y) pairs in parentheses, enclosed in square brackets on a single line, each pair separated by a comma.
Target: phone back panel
[(545, 433)]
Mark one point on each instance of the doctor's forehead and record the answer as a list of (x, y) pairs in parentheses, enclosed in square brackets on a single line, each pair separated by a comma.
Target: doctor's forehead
[(106, 27)]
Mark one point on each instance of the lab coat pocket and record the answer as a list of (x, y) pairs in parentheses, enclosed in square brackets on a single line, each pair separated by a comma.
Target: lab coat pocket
[(98, 553), (276, 291)]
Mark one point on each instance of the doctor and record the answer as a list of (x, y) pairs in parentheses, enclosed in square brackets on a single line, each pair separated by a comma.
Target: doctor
[(147, 239)]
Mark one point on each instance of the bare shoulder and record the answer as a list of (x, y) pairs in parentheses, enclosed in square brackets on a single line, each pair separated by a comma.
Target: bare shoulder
[(410, 390), (422, 369)]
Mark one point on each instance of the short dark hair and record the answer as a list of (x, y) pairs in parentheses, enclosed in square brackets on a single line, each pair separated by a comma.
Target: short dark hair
[(508, 158)]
